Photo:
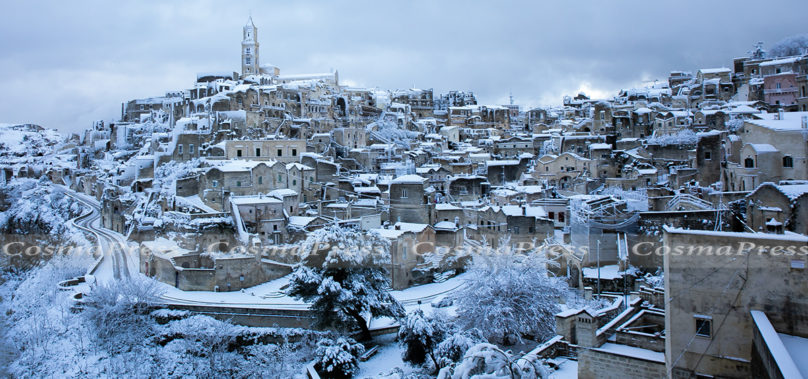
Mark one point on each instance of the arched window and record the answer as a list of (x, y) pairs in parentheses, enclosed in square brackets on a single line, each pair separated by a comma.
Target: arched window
[(749, 163), (788, 161)]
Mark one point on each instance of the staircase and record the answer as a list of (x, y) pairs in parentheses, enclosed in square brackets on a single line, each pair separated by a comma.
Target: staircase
[(742, 94), (688, 202)]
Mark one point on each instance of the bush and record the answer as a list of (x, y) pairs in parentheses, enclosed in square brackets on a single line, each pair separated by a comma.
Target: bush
[(338, 358)]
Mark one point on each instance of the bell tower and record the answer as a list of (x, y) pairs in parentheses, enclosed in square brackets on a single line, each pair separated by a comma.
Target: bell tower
[(249, 50)]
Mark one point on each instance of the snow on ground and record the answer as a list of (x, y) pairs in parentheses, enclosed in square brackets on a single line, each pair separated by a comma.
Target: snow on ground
[(270, 295), (608, 272), (568, 369), (632, 352), (385, 360)]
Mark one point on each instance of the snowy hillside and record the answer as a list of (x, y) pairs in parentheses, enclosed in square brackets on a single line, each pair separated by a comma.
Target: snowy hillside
[(26, 139)]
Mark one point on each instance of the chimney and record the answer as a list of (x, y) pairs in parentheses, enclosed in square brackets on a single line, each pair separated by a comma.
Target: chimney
[(805, 122), (780, 114)]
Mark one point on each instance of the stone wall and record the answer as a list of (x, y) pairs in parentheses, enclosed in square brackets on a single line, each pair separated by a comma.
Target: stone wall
[(602, 365)]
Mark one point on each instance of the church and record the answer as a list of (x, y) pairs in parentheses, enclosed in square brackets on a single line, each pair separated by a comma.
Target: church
[(250, 65)]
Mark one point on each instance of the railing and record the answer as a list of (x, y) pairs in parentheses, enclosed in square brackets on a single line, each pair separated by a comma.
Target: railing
[(779, 90), (688, 199)]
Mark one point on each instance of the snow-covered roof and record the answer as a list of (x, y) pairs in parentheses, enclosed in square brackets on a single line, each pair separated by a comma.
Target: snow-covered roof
[(790, 121), (779, 61), (446, 225), (446, 207), (238, 165), (371, 189), (719, 70), (298, 166), (254, 200), (763, 147), (505, 162), (300, 221), (409, 179), (282, 192), (165, 247)]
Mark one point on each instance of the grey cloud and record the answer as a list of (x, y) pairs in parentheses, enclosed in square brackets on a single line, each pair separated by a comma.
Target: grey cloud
[(65, 64)]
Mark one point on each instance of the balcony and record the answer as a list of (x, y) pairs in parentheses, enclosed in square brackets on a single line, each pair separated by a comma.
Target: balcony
[(779, 90)]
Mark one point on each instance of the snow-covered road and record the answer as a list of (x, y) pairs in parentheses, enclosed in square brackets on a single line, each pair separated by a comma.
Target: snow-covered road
[(117, 263), (120, 261)]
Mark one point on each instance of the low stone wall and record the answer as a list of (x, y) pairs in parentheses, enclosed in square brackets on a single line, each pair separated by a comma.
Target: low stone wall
[(603, 365), (260, 317)]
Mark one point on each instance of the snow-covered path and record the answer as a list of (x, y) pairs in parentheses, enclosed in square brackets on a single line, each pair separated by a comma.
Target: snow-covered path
[(117, 262)]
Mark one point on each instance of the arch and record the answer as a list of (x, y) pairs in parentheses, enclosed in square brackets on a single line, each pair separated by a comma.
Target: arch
[(341, 106)]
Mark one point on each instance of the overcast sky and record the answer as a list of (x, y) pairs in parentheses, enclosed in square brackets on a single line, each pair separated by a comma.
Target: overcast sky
[(65, 64)]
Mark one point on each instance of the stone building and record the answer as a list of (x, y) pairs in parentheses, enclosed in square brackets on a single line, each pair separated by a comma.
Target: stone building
[(770, 149), (775, 208), (189, 270), (713, 286), (281, 150), (409, 201)]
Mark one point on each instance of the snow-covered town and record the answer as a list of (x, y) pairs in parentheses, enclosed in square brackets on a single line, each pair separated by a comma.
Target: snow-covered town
[(259, 222)]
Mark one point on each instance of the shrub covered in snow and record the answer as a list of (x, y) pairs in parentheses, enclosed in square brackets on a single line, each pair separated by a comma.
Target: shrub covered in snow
[(794, 45), (349, 284), (485, 360), (421, 335), (119, 311), (338, 358), (684, 137), (50, 340), (508, 295)]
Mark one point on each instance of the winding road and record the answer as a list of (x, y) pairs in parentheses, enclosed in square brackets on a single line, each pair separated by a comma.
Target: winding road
[(120, 261), (116, 263)]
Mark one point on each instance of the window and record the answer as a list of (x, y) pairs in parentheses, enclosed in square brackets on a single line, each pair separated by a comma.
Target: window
[(515, 230), (561, 216), (238, 153), (275, 228), (248, 50), (777, 85), (551, 215), (707, 155), (260, 180), (248, 60), (294, 182), (179, 149), (280, 177), (215, 183), (404, 193), (238, 184), (704, 326), (788, 161), (294, 152), (280, 152), (191, 149), (257, 151), (749, 163)]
